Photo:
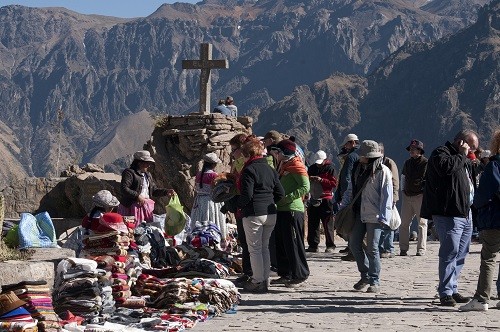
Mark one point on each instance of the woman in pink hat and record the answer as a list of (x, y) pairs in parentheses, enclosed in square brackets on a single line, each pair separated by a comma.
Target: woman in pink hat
[(137, 188)]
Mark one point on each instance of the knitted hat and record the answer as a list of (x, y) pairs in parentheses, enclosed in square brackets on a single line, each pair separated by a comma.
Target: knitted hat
[(287, 147), (105, 199), (369, 149)]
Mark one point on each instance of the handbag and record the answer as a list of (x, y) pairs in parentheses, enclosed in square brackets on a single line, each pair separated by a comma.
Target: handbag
[(175, 219), (345, 218), (395, 221), (36, 231)]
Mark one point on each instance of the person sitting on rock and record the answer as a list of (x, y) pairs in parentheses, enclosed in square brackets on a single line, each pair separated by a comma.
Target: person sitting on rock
[(221, 108)]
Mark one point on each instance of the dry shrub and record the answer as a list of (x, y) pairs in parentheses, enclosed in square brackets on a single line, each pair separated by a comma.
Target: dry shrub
[(7, 253)]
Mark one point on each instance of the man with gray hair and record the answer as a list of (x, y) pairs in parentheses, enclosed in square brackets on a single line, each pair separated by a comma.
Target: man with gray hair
[(447, 198)]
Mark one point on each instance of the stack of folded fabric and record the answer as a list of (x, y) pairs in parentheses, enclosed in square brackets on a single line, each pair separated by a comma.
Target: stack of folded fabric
[(220, 293), (108, 244), (113, 243), (13, 315), (76, 287), (148, 285), (177, 290), (38, 300)]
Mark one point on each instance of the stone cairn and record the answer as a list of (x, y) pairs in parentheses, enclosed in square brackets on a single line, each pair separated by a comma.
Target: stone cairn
[(178, 144)]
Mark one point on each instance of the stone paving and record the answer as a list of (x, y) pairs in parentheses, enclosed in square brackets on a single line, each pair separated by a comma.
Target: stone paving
[(327, 302)]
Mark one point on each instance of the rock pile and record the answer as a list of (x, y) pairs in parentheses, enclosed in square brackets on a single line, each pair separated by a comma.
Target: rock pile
[(179, 142)]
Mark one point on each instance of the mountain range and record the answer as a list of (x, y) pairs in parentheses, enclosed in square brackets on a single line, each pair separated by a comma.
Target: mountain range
[(80, 88)]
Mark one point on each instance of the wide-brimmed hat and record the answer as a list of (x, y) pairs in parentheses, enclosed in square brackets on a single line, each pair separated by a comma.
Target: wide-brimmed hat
[(416, 144), (143, 155), (349, 138), (111, 221), (274, 135), (212, 158), (369, 149), (8, 302), (105, 199), (319, 157)]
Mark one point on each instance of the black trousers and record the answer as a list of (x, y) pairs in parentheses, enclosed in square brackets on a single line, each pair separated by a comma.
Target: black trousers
[(245, 255), (290, 251), (315, 215)]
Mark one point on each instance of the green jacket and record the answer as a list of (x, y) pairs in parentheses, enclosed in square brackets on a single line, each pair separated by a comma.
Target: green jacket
[(295, 181)]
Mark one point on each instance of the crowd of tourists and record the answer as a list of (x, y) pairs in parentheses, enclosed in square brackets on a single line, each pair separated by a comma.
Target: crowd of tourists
[(455, 189), (131, 269)]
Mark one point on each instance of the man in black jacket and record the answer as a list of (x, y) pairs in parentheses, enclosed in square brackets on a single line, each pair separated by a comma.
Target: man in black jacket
[(448, 195)]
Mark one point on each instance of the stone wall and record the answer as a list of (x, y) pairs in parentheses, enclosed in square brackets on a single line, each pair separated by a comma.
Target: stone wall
[(178, 144), (61, 197)]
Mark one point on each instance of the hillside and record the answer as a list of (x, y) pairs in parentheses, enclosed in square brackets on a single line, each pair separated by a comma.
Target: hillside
[(98, 70), (427, 91)]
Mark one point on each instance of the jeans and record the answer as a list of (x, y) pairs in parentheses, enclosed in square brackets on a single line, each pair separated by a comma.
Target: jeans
[(490, 239), (410, 208), (387, 240), (258, 231), (454, 238), (368, 261)]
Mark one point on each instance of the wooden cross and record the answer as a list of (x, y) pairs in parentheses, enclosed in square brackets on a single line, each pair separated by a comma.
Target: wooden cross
[(205, 63)]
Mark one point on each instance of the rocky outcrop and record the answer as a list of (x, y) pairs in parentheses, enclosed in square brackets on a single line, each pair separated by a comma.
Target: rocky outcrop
[(60, 197), (318, 116), (67, 79), (179, 143)]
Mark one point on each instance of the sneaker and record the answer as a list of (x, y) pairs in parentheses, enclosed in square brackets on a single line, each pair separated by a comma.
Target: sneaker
[(460, 299), (348, 258), (255, 287), (413, 236), (280, 281), (311, 249), (361, 284), (403, 253), (344, 251), (474, 305), (373, 289), (386, 255), (295, 283), (421, 252), (447, 301), (330, 250)]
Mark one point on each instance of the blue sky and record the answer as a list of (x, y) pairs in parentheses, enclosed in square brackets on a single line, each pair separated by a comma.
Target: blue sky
[(118, 8)]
